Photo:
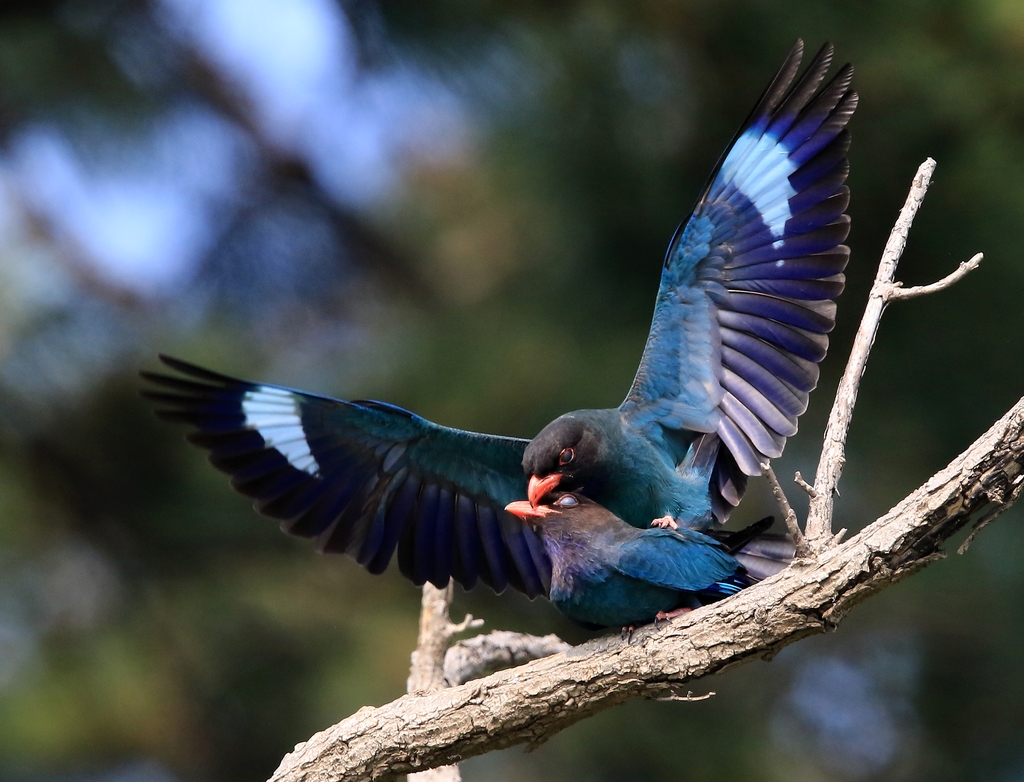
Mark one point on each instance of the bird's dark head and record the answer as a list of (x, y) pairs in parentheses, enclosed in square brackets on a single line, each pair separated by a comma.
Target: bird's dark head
[(567, 454)]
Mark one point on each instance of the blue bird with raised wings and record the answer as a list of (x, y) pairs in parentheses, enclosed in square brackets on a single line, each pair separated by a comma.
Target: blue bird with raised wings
[(740, 323)]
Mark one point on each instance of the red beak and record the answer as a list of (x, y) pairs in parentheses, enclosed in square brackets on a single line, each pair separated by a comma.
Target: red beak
[(526, 511), (540, 486)]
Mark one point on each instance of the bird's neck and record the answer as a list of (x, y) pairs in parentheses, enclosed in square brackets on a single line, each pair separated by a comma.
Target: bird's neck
[(579, 555)]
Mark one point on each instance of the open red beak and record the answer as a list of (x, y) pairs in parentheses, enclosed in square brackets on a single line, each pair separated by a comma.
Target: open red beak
[(526, 511), (540, 486)]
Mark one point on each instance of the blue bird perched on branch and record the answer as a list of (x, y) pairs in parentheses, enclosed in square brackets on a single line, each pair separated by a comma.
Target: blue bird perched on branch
[(606, 573), (740, 324)]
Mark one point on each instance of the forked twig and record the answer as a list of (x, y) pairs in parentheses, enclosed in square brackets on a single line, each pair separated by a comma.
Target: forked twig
[(897, 291), (818, 530)]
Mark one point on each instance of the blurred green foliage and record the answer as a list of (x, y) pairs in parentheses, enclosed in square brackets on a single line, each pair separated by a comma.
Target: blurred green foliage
[(152, 627)]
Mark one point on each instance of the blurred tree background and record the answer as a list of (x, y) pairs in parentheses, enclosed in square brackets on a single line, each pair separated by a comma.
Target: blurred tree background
[(460, 207)]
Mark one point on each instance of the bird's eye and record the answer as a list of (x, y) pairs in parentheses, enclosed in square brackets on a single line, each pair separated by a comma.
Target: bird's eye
[(566, 456), (567, 501)]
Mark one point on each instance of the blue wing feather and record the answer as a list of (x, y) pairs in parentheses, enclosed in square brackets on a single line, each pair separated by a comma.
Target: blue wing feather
[(830, 264), (676, 559), (416, 551), (444, 542), (809, 290), (400, 505), (745, 301), (467, 535)]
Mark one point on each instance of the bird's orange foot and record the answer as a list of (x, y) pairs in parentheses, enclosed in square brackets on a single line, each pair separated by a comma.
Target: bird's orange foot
[(664, 616), (665, 522)]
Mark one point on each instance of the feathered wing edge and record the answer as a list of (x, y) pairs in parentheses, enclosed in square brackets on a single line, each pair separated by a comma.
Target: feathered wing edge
[(782, 260), (745, 304), (365, 478)]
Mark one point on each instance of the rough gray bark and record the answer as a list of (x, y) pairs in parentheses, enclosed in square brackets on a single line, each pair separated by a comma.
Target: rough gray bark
[(530, 703)]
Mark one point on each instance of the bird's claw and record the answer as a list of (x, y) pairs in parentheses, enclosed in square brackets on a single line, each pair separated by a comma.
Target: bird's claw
[(665, 522), (664, 616), (627, 633)]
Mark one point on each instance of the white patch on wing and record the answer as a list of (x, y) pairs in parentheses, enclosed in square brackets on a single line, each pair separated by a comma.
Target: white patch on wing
[(274, 413), (759, 168)]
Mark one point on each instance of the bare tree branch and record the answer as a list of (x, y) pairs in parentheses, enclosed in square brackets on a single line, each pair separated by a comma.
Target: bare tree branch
[(530, 703), (788, 514), (897, 291), (688, 697), (426, 669), (437, 664), (798, 479), (483, 654), (984, 521), (818, 529), (830, 465)]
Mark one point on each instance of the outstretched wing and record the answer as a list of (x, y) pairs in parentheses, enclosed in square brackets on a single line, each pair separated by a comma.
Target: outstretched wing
[(745, 302), (365, 478)]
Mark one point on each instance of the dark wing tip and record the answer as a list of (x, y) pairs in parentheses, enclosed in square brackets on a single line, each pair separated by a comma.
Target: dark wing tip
[(193, 370)]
